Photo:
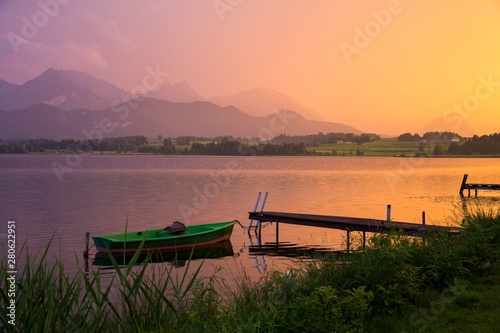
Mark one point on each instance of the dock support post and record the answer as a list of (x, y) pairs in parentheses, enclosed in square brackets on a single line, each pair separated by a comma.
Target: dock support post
[(388, 213), (364, 240), (259, 226), (348, 241), (423, 227), (464, 180), (86, 252), (277, 234), (86, 245)]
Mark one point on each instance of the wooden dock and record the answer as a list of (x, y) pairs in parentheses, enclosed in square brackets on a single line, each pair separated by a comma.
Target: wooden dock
[(476, 187), (348, 223)]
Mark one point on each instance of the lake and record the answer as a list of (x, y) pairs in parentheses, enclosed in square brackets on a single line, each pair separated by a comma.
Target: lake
[(67, 195)]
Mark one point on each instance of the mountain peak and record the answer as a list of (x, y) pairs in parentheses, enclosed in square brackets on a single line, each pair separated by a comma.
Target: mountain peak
[(455, 124), (49, 71), (263, 102), (66, 89), (179, 92)]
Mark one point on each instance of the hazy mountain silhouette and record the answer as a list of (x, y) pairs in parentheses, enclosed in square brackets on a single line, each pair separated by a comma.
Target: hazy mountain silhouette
[(6, 87), (65, 89), (264, 101), (42, 121), (69, 104), (451, 123), (152, 117), (180, 92)]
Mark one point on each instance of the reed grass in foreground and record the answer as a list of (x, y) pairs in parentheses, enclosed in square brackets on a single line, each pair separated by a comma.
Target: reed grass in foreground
[(137, 299), (397, 284)]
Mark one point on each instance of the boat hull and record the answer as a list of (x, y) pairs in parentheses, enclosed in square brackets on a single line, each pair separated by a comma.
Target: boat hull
[(159, 240), (217, 250)]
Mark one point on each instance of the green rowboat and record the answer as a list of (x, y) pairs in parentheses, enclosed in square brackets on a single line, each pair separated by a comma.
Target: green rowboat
[(162, 240)]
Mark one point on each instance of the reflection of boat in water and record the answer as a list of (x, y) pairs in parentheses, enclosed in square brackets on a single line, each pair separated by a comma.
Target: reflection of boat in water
[(212, 251)]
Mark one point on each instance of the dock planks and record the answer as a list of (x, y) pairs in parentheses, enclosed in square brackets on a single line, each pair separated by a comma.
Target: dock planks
[(348, 223)]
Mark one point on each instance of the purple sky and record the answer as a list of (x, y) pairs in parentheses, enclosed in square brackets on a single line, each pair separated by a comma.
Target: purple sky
[(380, 65)]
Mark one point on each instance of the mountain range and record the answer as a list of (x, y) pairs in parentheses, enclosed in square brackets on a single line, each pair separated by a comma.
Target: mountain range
[(152, 117), (70, 104), (264, 101), (63, 103)]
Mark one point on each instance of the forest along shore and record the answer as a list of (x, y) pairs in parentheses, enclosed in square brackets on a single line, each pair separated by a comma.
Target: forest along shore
[(433, 144)]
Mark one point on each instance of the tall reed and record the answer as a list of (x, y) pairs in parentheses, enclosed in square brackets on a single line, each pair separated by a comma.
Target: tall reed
[(139, 298)]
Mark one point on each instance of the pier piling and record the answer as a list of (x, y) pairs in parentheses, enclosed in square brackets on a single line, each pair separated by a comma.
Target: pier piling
[(86, 245)]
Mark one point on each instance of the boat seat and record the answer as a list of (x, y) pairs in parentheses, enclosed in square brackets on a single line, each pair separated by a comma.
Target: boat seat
[(175, 228)]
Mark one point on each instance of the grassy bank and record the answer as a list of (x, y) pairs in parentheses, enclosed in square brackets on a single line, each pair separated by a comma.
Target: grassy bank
[(382, 147), (398, 284)]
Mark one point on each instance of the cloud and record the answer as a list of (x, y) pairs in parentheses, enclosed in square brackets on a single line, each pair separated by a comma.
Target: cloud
[(37, 57), (77, 55), (77, 38), (87, 26)]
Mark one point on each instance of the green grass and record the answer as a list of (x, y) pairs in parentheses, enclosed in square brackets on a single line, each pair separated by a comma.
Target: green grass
[(383, 147), (465, 306), (450, 283)]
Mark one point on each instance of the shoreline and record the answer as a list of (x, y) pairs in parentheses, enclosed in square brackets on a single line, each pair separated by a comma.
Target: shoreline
[(278, 155)]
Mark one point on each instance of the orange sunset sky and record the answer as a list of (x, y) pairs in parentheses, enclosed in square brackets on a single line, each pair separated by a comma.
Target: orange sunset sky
[(383, 66)]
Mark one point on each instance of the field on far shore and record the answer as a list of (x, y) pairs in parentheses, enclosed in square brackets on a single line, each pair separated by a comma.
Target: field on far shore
[(383, 147)]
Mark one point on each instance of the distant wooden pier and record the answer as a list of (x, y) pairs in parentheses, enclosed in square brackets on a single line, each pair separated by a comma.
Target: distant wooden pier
[(476, 187), (348, 224)]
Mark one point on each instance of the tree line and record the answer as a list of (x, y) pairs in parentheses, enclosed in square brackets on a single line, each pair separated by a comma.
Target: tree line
[(320, 138), (477, 145), (428, 136), (140, 144), (239, 148), (128, 144)]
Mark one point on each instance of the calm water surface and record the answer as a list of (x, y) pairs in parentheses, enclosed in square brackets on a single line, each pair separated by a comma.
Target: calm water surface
[(102, 192)]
